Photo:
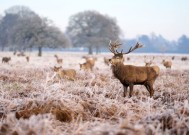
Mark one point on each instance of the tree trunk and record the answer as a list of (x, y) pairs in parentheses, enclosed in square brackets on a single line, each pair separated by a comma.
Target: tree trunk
[(39, 51), (90, 50)]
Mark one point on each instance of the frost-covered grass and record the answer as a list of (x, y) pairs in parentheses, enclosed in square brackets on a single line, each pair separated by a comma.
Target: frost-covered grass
[(33, 102)]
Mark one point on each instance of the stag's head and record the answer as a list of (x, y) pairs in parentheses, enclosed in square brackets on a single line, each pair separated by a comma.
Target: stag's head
[(118, 56)]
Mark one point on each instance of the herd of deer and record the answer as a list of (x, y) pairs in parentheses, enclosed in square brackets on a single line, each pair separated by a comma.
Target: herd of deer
[(128, 75)]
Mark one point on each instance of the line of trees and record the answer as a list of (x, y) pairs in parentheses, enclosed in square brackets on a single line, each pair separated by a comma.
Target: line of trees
[(157, 44), (22, 28)]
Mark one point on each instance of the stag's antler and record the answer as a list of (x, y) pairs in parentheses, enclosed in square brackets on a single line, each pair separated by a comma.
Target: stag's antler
[(132, 49), (115, 45)]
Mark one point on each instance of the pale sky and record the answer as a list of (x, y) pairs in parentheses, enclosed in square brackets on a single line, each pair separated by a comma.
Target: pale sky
[(170, 18)]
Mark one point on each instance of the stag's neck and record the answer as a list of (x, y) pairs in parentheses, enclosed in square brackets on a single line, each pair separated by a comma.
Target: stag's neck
[(117, 69)]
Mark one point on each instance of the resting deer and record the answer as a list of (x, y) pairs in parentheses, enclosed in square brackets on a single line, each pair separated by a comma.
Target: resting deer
[(58, 60), (86, 66), (65, 74), (148, 63), (167, 64), (6, 59), (130, 75)]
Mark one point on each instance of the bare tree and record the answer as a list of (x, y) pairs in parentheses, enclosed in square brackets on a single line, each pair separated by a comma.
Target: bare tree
[(92, 30), (23, 28)]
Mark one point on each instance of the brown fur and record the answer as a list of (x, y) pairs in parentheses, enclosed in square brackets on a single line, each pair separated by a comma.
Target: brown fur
[(89, 64), (6, 59), (86, 66), (69, 74), (91, 61), (167, 64), (130, 75)]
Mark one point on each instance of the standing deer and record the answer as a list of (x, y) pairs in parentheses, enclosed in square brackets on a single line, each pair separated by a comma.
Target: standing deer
[(130, 75), (58, 60)]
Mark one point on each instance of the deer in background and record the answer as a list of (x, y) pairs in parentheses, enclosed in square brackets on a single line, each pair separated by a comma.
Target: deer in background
[(6, 59), (148, 63), (58, 60), (130, 75), (167, 63), (65, 73), (90, 60), (184, 58), (89, 64), (21, 53)]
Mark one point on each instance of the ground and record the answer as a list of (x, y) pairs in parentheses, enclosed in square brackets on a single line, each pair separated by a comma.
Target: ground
[(32, 101)]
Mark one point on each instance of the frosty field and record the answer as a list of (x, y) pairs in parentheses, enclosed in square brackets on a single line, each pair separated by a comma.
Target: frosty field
[(32, 102)]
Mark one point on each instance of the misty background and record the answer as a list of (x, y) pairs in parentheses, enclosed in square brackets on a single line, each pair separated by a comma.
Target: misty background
[(91, 29)]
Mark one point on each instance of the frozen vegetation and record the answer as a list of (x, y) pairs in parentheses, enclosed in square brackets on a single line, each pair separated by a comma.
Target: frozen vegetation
[(33, 102)]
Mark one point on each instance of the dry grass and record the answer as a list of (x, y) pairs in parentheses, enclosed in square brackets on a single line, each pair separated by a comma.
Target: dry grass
[(32, 102)]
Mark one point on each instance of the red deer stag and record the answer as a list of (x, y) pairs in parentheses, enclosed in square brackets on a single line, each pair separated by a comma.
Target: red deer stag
[(130, 75)]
